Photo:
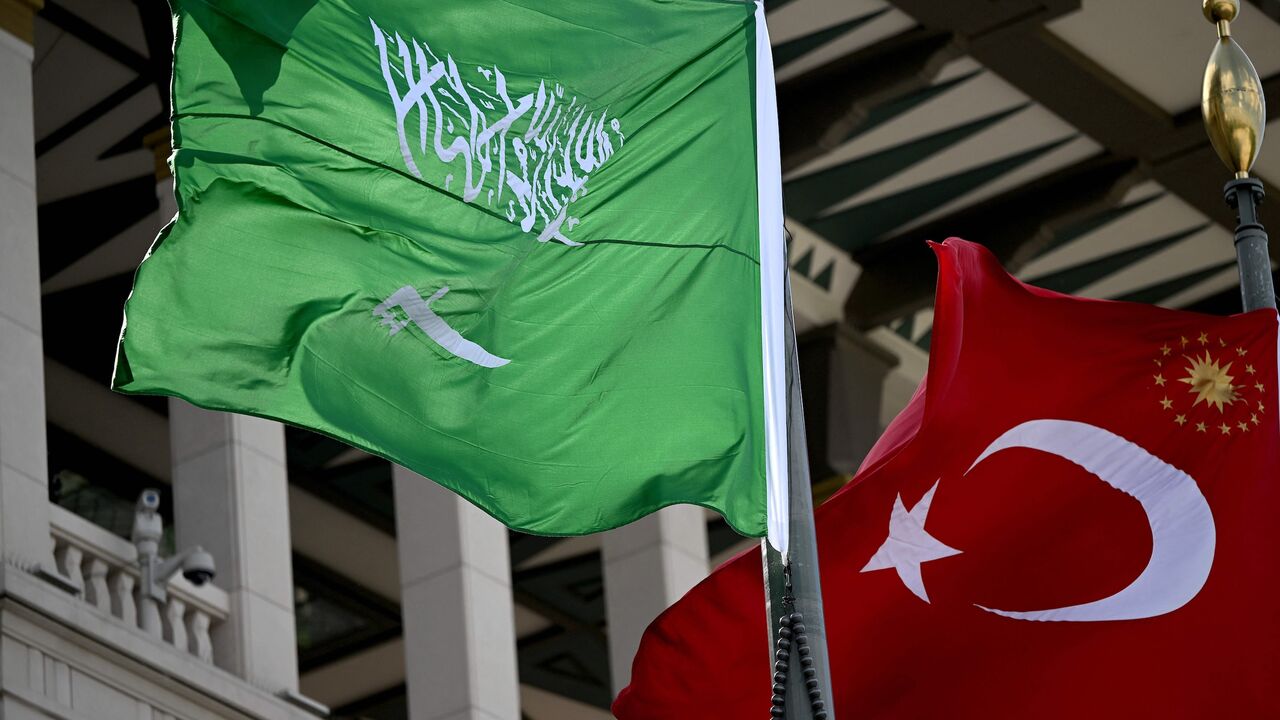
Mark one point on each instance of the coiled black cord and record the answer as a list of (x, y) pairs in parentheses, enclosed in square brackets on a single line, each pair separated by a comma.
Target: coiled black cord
[(791, 633)]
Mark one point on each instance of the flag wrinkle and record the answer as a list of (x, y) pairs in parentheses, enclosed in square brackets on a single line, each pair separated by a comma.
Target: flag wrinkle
[(462, 490), (529, 248), (179, 151), (580, 26), (416, 421), (655, 87), (295, 269)]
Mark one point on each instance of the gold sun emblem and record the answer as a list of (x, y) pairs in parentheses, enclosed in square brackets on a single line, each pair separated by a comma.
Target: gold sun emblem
[(1214, 403), (1210, 381)]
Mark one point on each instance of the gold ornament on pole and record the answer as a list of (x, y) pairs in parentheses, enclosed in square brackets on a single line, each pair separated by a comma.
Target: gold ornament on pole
[(1235, 116), (1231, 101)]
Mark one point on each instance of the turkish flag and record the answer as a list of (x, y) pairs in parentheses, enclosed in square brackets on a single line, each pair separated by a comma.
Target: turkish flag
[(1076, 517)]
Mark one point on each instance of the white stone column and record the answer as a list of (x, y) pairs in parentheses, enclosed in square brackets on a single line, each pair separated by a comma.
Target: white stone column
[(648, 565), (458, 614), (231, 496), (857, 368), (24, 494)]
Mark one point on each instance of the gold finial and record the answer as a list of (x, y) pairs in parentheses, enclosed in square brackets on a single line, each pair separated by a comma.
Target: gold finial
[(1221, 13), (19, 17), (1231, 100)]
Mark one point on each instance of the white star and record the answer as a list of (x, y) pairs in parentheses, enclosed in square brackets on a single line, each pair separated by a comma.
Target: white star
[(909, 544)]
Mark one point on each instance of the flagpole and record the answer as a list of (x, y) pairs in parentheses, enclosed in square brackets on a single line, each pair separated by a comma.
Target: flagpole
[(794, 587), (1235, 115)]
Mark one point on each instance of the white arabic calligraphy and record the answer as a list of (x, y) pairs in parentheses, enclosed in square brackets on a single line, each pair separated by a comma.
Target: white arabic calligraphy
[(545, 168)]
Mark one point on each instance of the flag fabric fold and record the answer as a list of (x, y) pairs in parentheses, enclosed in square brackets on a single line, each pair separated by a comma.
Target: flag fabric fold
[(528, 250), (1073, 518)]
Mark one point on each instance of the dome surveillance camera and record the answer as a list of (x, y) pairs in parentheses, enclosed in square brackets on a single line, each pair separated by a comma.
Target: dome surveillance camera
[(198, 567)]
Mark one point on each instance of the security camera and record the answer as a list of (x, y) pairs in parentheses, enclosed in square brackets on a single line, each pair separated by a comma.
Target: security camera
[(198, 567), (149, 501), (148, 526), (194, 562)]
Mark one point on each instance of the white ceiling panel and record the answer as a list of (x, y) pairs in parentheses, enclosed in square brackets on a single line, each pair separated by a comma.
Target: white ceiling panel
[(1159, 48)]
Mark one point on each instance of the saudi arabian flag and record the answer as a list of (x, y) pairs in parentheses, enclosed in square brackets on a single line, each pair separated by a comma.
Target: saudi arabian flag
[(531, 250)]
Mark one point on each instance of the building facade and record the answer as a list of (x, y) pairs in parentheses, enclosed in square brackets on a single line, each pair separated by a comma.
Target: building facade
[(1050, 130)]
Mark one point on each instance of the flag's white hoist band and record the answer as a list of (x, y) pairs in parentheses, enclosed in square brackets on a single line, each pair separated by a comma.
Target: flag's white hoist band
[(773, 267)]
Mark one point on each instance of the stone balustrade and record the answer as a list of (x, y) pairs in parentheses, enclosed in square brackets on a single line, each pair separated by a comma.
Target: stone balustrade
[(103, 568)]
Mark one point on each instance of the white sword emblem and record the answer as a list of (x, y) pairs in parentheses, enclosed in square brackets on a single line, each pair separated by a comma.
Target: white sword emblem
[(419, 311)]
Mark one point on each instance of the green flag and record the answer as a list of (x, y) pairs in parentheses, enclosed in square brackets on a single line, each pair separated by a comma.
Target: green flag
[(532, 250)]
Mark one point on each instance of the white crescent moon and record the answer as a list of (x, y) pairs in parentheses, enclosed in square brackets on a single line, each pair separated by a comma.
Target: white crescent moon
[(1182, 530)]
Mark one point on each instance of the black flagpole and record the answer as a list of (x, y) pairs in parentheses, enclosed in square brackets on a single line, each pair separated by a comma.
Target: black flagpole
[(1256, 287)]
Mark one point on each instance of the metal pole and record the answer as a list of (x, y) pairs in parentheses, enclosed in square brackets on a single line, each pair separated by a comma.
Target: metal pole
[(806, 586), (1256, 287)]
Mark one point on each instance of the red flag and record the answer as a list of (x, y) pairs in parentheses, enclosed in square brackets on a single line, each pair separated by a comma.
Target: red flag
[(1077, 518)]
